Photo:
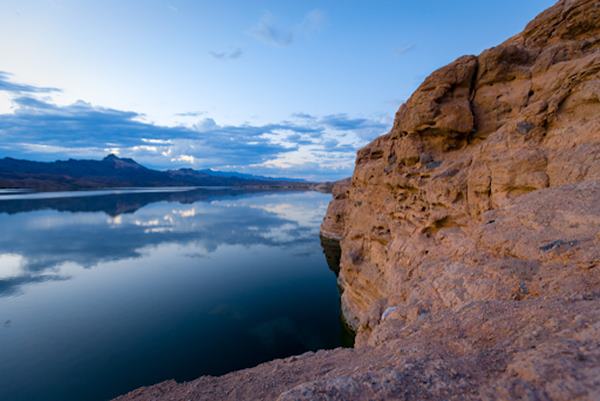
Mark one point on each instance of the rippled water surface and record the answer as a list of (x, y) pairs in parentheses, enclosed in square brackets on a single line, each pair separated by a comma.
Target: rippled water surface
[(105, 293)]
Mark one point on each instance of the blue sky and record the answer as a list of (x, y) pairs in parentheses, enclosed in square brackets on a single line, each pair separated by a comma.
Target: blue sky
[(288, 88)]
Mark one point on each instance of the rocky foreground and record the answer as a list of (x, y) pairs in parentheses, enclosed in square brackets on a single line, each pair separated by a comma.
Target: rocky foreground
[(470, 238)]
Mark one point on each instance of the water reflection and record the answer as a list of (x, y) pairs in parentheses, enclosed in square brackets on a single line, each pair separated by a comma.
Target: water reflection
[(40, 238), (105, 293)]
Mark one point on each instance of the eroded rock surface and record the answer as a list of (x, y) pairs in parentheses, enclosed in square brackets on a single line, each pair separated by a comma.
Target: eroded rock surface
[(473, 228), (334, 223), (475, 137)]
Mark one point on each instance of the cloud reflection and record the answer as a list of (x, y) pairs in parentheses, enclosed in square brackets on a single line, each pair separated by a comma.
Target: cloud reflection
[(42, 235)]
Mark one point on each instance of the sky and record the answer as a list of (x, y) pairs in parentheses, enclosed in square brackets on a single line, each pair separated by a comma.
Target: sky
[(280, 88)]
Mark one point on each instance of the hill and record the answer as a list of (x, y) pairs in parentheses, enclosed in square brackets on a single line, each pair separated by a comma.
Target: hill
[(113, 171)]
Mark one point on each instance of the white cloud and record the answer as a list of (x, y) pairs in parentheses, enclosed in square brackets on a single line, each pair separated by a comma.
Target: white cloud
[(146, 148), (113, 151), (281, 137), (185, 213), (6, 103), (206, 124), (185, 159), (310, 156), (313, 21), (157, 141), (404, 49), (227, 55), (270, 31), (11, 265)]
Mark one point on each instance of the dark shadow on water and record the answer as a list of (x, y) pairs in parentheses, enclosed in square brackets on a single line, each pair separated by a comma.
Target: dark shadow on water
[(333, 254), (348, 336)]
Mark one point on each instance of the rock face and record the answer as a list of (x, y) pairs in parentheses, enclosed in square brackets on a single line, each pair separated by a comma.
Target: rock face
[(470, 238), (334, 223), (475, 137)]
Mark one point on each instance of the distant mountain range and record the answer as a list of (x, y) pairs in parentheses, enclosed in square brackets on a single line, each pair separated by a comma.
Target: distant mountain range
[(113, 171)]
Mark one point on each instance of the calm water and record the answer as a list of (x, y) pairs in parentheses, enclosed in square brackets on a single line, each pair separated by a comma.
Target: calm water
[(105, 293)]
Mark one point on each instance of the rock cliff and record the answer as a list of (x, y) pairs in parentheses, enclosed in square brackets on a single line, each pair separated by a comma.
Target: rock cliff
[(421, 231), (470, 238)]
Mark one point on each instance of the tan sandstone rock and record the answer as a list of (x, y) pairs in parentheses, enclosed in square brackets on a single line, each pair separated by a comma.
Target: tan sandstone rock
[(333, 223), (476, 136)]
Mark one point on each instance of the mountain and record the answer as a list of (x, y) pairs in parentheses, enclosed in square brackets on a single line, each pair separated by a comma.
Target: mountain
[(113, 171), (251, 177), (212, 177), (470, 238)]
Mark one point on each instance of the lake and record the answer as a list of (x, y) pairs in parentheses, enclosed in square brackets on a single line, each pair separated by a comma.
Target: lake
[(105, 291)]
